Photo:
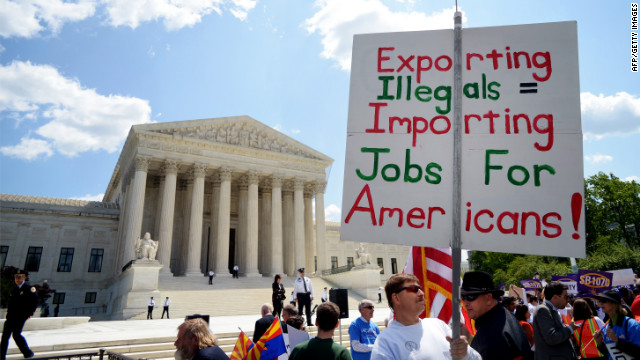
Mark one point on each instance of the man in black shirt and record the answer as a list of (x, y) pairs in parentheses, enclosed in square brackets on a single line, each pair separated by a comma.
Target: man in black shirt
[(499, 335), (22, 304)]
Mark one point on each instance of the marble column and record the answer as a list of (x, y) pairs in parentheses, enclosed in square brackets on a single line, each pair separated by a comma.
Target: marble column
[(215, 209), (321, 249), (288, 234), (122, 224), (251, 245), (276, 225), (183, 255), (195, 222), (167, 208), (224, 217), (298, 223), (264, 229), (241, 229), (135, 208), (309, 243)]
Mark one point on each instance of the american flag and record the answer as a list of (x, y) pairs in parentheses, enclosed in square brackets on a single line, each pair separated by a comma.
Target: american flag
[(432, 267)]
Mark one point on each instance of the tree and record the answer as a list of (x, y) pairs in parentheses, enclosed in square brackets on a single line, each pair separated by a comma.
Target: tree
[(612, 220), (612, 209)]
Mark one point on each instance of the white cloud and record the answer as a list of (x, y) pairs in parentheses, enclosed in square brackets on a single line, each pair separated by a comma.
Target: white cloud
[(332, 213), (89, 197), (27, 18), (28, 149), (338, 20), (241, 8), (79, 119), (632, 178), (174, 14), (613, 115), (280, 128), (598, 159)]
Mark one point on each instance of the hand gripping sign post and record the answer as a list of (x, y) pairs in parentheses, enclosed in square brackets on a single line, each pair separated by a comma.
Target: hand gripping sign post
[(486, 157)]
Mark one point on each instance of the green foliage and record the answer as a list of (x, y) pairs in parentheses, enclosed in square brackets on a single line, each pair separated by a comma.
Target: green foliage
[(491, 261), (610, 255), (612, 210), (523, 267), (612, 219)]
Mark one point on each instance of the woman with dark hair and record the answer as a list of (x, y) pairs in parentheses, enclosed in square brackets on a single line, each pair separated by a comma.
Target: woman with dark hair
[(278, 295), (523, 314), (621, 333), (589, 325)]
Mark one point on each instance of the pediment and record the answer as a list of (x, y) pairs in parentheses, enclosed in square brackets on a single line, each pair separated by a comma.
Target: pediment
[(240, 131)]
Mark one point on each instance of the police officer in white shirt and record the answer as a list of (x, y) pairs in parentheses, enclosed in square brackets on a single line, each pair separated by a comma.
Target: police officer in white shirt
[(165, 307), (150, 305), (303, 295)]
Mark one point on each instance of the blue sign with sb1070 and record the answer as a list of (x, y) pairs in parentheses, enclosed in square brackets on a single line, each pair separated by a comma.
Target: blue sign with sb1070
[(594, 281)]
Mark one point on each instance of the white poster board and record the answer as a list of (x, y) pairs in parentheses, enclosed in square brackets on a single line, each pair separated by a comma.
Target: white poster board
[(518, 184), (622, 277)]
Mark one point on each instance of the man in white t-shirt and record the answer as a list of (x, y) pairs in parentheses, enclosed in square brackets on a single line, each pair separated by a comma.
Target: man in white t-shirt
[(409, 337)]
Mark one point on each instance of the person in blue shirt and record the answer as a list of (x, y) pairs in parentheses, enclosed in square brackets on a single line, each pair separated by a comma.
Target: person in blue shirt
[(363, 332), (621, 333)]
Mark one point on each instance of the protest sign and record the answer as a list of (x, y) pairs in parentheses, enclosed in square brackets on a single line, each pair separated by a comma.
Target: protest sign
[(571, 280), (622, 277), (522, 178), (531, 284), (594, 281)]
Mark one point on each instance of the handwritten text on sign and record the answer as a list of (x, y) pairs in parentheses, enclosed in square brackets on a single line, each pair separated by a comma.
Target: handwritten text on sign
[(522, 152)]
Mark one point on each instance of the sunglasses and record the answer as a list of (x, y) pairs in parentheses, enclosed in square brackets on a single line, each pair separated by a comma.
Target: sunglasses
[(370, 307), (411, 288), (470, 297)]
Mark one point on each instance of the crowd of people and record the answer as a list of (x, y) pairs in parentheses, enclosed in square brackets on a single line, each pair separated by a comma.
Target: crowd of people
[(550, 325)]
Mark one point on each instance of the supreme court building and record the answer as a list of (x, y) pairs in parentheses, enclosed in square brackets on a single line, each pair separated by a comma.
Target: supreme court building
[(213, 193)]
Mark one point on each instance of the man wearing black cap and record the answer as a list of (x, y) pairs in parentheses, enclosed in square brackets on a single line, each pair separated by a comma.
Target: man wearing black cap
[(499, 335), (303, 295), (552, 336), (22, 304)]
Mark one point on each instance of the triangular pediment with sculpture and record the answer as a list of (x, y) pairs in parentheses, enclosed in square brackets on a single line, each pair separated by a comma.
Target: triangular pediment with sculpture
[(240, 131)]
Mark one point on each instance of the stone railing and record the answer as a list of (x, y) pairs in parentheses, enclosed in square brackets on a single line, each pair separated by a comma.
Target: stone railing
[(337, 270)]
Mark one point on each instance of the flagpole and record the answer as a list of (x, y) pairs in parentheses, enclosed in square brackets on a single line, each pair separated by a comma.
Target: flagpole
[(457, 176)]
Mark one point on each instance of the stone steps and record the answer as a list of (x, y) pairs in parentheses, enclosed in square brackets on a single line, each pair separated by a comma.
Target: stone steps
[(226, 299), (155, 348), (244, 296)]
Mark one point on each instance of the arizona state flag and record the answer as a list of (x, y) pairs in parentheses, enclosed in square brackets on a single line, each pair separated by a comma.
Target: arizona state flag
[(270, 345), (243, 345)]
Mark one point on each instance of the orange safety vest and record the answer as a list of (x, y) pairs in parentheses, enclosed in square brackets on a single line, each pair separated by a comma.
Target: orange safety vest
[(566, 319), (584, 338)]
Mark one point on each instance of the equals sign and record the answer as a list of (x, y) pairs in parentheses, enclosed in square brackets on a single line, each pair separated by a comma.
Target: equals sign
[(528, 88)]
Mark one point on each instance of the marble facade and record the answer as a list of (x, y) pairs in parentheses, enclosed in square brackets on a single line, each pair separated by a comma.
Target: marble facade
[(212, 193)]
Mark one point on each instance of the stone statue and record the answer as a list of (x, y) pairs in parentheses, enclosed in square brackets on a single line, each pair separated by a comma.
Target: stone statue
[(146, 248), (362, 257)]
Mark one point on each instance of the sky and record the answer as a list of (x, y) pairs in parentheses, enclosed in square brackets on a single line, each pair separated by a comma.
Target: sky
[(76, 75)]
